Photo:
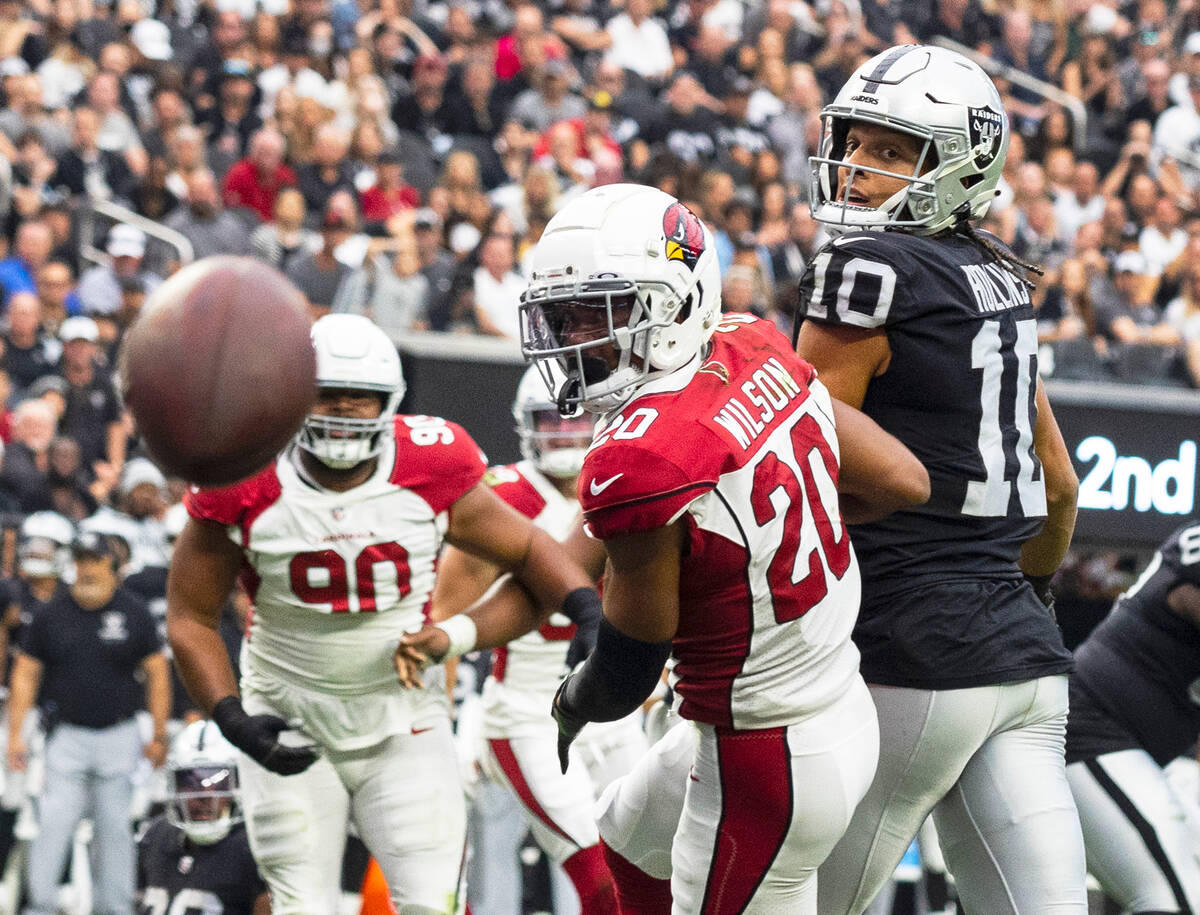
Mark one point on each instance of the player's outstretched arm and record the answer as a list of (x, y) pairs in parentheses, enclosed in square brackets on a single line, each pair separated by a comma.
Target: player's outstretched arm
[(1042, 554), (877, 473), (641, 615), (203, 569)]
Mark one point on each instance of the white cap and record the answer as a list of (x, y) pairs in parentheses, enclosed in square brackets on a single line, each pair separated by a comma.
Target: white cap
[(139, 471), (125, 240), (1191, 44), (1100, 19), (1131, 262), (79, 328), (152, 38), (464, 238)]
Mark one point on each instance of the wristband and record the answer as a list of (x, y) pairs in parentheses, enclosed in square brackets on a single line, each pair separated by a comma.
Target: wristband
[(462, 633)]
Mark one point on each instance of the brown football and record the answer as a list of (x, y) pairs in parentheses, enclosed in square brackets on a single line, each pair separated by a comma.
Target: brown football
[(219, 370)]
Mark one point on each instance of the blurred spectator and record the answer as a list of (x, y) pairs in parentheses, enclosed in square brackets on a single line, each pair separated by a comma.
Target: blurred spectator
[(26, 112), (388, 195), (687, 126), (390, 288), (497, 288), (424, 110), (1183, 314), (278, 241), (255, 181), (574, 173), (1188, 66), (56, 292), (210, 229), (1126, 315), (1079, 204), (185, 154), (320, 275), (116, 132), (29, 353), (99, 288), (1177, 136), (551, 101), (73, 491), (1155, 98), (18, 273), (437, 266), (639, 43), (477, 109), (792, 131), (85, 168), (26, 458), (93, 415), (229, 124), (1163, 238), (329, 170)]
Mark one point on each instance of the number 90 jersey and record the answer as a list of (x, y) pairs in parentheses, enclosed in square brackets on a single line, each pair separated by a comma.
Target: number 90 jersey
[(744, 452), (337, 577)]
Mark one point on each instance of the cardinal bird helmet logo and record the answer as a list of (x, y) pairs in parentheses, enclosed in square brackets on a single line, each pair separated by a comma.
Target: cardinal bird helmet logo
[(685, 235)]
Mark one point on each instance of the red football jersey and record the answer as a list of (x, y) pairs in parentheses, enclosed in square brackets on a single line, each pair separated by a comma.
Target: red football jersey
[(744, 451)]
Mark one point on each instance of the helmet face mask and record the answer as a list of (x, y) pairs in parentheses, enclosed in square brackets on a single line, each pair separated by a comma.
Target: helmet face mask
[(941, 99), (624, 288), (202, 784), (356, 356)]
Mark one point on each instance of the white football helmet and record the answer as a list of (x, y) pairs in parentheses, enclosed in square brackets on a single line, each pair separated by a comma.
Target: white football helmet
[(624, 287), (937, 96), (353, 353), (44, 547), (554, 444), (202, 783)]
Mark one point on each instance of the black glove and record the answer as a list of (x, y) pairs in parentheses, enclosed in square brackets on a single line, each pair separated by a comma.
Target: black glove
[(1041, 587), (583, 608), (258, 737), (569, 725)]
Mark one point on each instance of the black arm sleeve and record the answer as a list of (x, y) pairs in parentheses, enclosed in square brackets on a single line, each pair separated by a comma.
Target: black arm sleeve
[(617, 677)]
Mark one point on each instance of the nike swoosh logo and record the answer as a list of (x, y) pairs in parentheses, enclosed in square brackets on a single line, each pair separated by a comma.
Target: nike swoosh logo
[(416, 731), (598, 488)]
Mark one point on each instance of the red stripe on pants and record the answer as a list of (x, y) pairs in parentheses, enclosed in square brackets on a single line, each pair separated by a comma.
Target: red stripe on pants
[(755, 769), (512, 771)]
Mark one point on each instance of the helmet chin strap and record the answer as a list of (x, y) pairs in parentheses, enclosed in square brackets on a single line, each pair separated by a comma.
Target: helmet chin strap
[(571, 389)]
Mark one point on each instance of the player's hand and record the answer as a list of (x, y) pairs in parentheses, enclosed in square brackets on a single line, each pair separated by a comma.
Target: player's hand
[(258, 737), (1041, 587), (569, 725), (417, 650), (582, 642), (156, 751)]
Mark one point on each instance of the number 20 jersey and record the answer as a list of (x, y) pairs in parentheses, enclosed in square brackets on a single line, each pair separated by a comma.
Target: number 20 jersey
[(959, 391), (337, 577), (744, 451)]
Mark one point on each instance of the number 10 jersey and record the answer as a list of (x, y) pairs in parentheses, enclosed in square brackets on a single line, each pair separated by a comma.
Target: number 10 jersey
[(943, 605)]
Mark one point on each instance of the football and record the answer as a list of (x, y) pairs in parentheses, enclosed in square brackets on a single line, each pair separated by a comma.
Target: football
[(219, 370)]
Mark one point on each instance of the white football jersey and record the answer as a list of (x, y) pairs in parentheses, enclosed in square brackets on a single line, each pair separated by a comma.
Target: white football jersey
[(337, 577), (526, 671)]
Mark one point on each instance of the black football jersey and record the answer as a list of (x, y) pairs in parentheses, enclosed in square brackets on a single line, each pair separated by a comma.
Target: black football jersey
[(1142, 663), (960, 392), (179, 877)]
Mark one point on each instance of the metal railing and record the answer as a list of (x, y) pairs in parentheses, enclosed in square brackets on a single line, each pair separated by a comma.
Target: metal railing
[(93, 207), (1046, 90)]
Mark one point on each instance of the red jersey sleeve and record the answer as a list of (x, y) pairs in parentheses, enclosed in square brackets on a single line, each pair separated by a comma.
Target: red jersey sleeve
[(627, 488), (436, 459), (508, 483)]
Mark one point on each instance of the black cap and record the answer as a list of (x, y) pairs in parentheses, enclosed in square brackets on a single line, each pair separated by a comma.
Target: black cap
[(92, 544)]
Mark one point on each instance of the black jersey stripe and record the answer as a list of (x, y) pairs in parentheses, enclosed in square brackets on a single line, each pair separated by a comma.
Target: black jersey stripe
[(1145, 830), (876, 76)]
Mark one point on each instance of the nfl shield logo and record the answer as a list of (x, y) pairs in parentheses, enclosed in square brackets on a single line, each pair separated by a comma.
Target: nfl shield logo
[(338, 513), (185, 864)]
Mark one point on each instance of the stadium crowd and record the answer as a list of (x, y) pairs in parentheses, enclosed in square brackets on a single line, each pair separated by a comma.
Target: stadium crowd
[(400, 158)]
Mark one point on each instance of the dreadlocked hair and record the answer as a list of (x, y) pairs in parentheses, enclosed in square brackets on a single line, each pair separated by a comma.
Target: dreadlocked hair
[(1013, 264)]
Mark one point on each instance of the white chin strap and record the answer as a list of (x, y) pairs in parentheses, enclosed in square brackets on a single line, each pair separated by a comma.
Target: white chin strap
[(208, 832)]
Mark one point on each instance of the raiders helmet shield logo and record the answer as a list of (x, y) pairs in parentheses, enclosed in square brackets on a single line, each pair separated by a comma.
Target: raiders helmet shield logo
[(985, 127), (685, 235)]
